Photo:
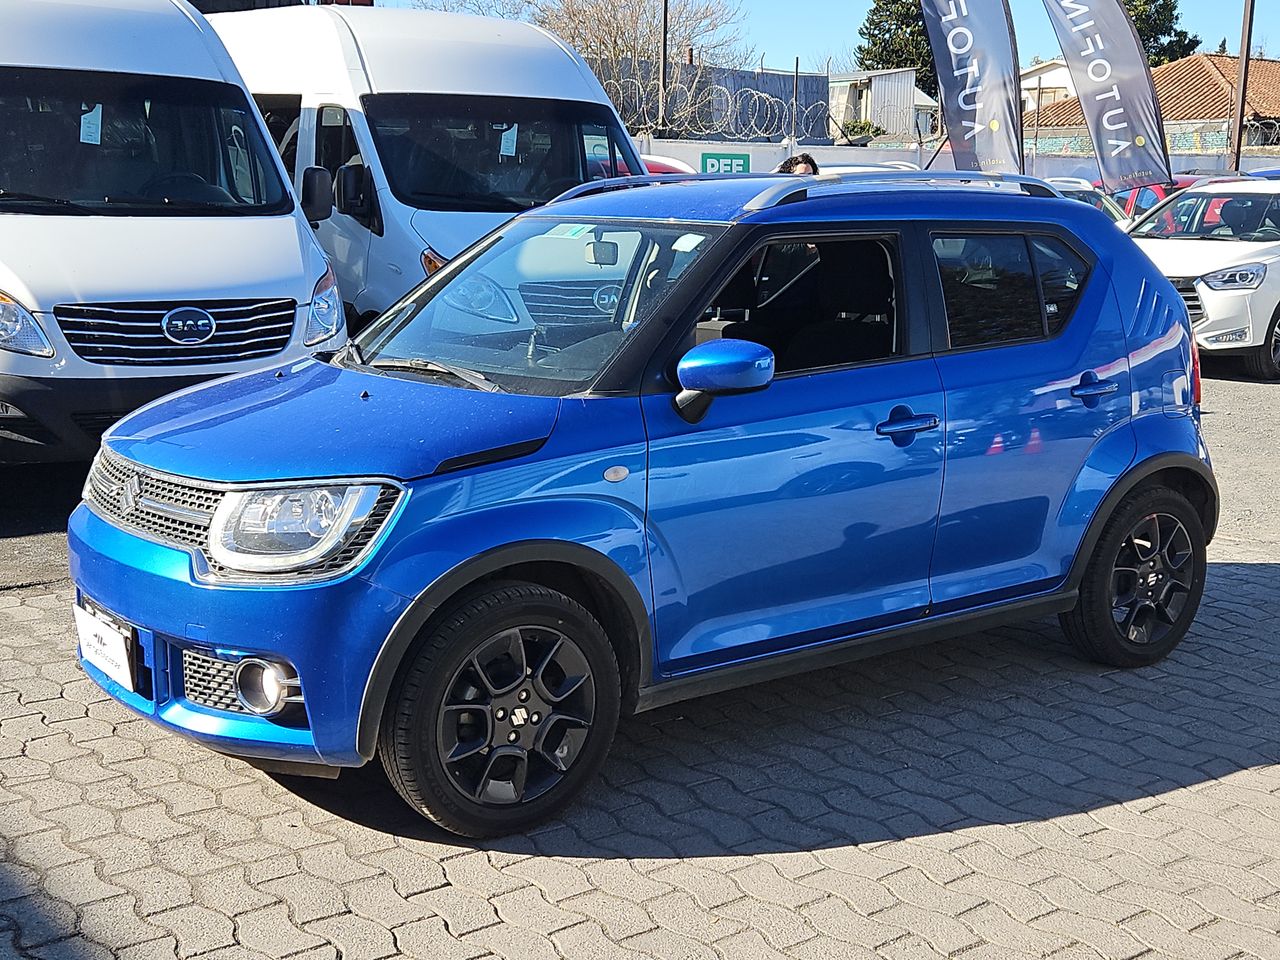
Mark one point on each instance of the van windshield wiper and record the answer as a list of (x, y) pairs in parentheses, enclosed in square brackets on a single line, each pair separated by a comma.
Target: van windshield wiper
[(19, 196), (415, 365)]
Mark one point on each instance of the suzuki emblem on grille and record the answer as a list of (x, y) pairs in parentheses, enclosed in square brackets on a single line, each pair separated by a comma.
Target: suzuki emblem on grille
[(188, 326), (130, 491), (606, 297)]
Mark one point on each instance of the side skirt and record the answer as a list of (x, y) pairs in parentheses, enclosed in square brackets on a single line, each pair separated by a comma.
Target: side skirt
[(719, 679)]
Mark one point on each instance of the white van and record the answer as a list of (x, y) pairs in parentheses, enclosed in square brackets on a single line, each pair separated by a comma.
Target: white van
[(149, 237), (436, 127)]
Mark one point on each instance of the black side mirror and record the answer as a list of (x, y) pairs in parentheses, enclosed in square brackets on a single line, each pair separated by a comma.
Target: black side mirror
[(351, 190), (317, 194)]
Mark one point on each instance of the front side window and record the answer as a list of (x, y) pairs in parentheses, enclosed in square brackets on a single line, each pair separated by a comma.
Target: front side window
[(283, 114), (815, 303), (335, 140), (1147, 198), (1215, 215), (133, 145), (989, 287), (463, 152), (541, 307)]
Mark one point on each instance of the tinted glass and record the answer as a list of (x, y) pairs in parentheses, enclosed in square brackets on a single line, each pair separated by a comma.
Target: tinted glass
[(1147, 198), (815, 303), (544, 305), (283, 115), (1215, 215), (132, 145), (989, 289), (454, 152), (335, 140), (1062, 278)]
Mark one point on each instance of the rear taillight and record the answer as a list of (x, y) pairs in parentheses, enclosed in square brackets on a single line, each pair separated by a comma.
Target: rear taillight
[(1195, 371)]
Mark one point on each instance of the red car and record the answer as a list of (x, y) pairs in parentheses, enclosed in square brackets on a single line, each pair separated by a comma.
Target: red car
[(1139, 200)]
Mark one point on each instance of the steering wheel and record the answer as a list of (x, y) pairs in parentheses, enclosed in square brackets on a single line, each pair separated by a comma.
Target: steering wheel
[(1266, 234), (166, 178)]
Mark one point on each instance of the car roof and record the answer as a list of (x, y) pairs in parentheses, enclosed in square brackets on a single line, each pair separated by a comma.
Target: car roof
[(155, 37), (1234, 185), (788, 198), (383, 50)]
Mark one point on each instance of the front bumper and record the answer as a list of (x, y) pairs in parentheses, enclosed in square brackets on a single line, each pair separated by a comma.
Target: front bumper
[(330, 632), (1233, 320), (64, 419)]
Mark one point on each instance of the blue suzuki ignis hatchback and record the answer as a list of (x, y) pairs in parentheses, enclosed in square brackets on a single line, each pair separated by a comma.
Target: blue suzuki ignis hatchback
[(652, 440)]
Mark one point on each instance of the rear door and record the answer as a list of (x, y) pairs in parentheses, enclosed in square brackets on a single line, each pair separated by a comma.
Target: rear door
[(1034, 364)]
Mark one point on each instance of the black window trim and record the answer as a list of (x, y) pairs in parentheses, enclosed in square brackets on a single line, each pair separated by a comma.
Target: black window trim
[(940, 326), (909, 305)]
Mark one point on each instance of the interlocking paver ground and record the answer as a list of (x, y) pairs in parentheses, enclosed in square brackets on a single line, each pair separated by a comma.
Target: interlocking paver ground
[(986, 797)]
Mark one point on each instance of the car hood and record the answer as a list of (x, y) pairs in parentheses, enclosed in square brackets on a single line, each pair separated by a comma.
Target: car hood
[(449, 232), (311, 419), (1195, 258), (48, 260)]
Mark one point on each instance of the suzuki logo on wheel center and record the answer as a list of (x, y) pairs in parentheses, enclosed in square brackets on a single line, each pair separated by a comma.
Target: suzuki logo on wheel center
[(188, 326), (519, 716)]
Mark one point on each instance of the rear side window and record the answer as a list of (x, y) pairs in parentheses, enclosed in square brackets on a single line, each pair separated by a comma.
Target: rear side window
[(989, 286), (1062, 276)]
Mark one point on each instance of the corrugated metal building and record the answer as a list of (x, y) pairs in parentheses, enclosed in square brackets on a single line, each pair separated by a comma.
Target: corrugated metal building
[(884, 98)]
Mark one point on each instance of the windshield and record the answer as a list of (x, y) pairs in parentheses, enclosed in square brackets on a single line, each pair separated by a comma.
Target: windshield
[(540, 307), (1095, 199), (452, 152), (1214, 215), (76, 141)]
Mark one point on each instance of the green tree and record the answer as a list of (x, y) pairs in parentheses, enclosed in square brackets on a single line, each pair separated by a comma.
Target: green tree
[(893, 35), (1222, 47), (1157, 23)]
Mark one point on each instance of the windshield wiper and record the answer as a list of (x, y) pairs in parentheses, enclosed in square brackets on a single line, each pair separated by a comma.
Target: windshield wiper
[(415, 365), (39, 198)]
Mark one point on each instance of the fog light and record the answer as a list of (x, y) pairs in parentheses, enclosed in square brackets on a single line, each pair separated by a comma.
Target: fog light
[(1232, 336), (265, 688)]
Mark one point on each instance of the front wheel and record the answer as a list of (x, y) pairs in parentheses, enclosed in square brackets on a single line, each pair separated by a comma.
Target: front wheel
[(1144, 582), (504, 712), (1263, 362)]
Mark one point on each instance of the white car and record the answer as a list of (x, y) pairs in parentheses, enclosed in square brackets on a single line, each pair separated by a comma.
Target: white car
[(1077, 188), (1220, 245)]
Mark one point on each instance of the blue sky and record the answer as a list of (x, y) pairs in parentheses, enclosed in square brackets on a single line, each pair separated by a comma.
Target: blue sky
[(816, 29)]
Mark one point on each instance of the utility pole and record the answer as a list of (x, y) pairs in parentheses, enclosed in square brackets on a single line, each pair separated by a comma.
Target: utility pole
[(1246, 48), (662, 72)]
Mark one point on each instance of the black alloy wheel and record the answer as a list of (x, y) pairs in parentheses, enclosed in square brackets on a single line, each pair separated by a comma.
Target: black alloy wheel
[(1152, 578)]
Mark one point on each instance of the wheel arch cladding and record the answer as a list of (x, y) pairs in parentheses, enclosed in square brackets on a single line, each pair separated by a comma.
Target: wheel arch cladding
[(1179, 471), (579, 572)]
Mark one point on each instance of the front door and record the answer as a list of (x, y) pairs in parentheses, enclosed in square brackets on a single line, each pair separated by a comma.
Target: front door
[(344, 238), (807, 511)]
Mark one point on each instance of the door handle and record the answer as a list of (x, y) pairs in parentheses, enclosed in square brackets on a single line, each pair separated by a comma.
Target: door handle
[(912, 424), (1091, 390)]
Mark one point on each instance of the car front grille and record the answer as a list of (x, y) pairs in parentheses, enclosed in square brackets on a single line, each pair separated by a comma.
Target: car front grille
[(1186, 287), (569, 301), (166, 508), (210, 682), (132, 334), (95, 424)]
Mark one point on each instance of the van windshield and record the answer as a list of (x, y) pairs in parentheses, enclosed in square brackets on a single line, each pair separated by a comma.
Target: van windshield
[(79, 141), (540, 307), (463, 152)]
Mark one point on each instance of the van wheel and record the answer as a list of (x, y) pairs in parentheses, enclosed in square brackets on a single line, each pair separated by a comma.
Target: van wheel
[(1144, 581), (504, 711), (1263, 363)]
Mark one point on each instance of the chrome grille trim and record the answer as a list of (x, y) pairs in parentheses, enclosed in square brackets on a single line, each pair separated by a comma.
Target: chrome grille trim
[(130, 333), (1186, 287), (210, 682), (564, 301)]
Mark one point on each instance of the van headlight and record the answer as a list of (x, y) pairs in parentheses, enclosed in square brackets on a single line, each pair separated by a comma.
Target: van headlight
[(324, 319), (1247, 276), (288, 528), (19, 330)]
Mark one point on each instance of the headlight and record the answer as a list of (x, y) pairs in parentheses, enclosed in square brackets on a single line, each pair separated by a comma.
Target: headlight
[(19, 330), (478, 295), (289, 528), (432, 261), (325, 317), (1248, 276)]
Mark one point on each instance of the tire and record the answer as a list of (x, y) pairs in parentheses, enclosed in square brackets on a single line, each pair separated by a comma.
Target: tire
[(1263, 363), (1163, 581), (524, 672)]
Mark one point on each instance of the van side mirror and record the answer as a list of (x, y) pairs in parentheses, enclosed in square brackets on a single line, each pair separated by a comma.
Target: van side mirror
[(317, 194), (351, 190), (720, 368)]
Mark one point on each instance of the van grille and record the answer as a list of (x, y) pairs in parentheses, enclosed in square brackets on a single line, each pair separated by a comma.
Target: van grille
[(567, 301), (1186, 287), (131, 334)]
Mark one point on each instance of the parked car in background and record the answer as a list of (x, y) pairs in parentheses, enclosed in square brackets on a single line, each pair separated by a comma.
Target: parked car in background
[(655, 164), (724, 464), (149, 238), (1077, 188), (436, 127), (1219, 244), (1139, 200)]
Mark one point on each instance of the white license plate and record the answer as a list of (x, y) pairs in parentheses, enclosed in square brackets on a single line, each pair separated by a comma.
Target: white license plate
[(106, 646)]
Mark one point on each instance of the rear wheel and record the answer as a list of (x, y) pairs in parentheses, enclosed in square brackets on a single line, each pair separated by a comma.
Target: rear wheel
[(504, 713), (1263, 363), (1144, 582)]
